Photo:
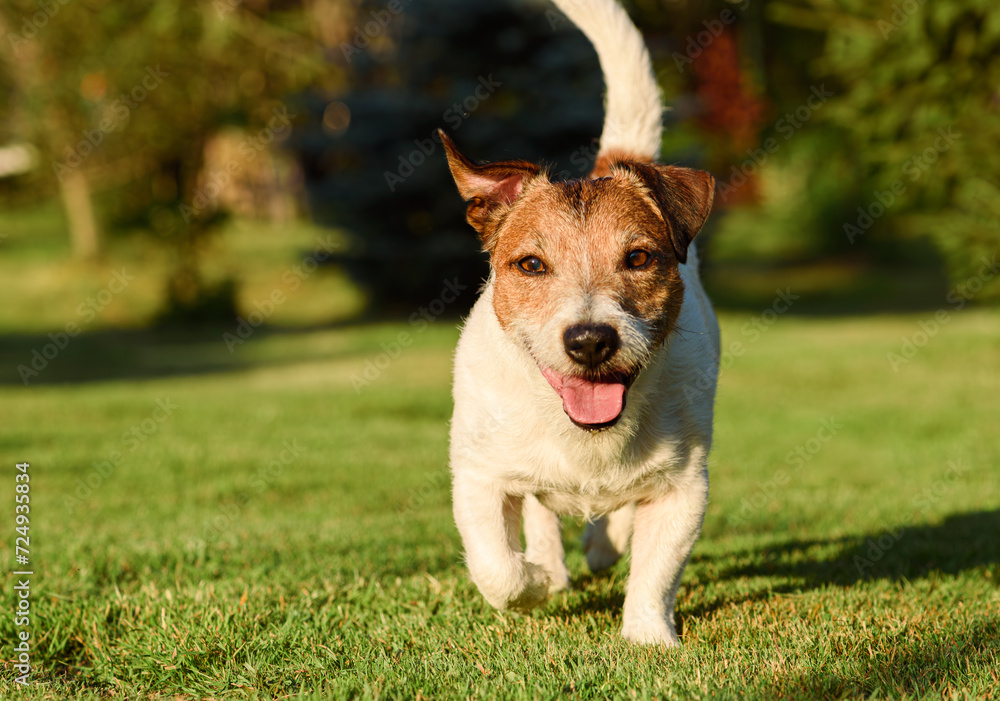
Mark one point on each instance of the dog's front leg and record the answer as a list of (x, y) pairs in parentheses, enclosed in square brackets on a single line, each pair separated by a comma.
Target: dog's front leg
[(543, 537), (665, 532), (489, 521)]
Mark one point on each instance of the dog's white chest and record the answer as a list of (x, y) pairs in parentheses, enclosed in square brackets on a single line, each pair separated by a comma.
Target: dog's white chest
[(510, 427)]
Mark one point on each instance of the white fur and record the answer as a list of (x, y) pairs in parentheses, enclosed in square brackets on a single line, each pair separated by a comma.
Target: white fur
[(514, 451), (633, 110), (512, 445)]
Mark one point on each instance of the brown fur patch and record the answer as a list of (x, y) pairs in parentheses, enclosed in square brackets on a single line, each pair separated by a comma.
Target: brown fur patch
[(605, 159), (683, 197), (583, 231), (488, 188)]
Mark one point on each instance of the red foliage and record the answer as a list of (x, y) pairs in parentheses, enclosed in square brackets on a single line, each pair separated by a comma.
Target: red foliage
[(731, 111)]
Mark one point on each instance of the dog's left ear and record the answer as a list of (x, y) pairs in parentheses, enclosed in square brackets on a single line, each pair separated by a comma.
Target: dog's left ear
[(684, 197), (488, 188)]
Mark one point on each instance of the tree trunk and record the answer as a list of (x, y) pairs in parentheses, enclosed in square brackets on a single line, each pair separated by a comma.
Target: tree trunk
[(83, 232)]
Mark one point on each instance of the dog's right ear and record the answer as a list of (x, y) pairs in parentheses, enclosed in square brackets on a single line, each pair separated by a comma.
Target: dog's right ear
[(489, 188), (683, 196)]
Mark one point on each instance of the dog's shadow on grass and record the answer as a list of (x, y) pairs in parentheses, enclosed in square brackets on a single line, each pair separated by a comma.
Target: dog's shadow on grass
[(921, 668), (602, 592), (907, 553), (961, 542), (925, 662)]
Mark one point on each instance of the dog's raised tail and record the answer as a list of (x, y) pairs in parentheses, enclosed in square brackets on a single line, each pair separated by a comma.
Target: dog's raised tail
[(633, 108)]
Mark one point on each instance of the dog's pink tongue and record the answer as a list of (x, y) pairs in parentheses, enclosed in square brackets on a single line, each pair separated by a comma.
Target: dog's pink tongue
[(588, 402), (592, 402)]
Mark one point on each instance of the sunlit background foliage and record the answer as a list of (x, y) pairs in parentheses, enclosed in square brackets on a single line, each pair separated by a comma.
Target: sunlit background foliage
[(150, 125)]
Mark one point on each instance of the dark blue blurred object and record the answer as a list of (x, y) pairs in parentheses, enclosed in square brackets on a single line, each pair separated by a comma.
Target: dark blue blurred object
[(505, 79)]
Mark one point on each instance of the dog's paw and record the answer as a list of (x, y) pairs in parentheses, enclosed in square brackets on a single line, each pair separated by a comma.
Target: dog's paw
[(534, 591), (600, 551), (556, 570), (649, 632), (558, 579)]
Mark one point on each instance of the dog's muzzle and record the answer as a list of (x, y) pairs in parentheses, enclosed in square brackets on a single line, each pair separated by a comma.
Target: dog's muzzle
[(594, 398)]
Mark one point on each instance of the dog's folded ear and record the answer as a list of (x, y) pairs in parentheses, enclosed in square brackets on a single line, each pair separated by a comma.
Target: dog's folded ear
[(683, 196), (489, 188)]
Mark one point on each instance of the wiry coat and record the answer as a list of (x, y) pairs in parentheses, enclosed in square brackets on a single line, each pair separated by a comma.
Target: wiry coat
[(514, 449)]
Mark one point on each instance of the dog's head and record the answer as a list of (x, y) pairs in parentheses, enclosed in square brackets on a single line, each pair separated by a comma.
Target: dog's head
[(585, 271)]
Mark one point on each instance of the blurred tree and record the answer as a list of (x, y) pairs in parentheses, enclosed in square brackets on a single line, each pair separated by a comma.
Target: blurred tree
[(919, 103), (707, 59), (484, 72), (121, 97)]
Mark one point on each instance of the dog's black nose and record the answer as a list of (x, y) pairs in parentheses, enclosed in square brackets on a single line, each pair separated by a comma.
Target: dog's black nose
[(591, 344)]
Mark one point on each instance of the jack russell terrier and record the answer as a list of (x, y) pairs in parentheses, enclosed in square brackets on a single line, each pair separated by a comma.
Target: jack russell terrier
[(585, 375)]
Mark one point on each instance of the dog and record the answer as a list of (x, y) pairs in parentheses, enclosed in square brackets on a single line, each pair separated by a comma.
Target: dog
[(585, 374)]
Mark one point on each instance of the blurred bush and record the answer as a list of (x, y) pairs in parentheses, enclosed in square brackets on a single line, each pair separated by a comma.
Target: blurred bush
[(917, 115), (120, 98), (506, 78), (138, 111)]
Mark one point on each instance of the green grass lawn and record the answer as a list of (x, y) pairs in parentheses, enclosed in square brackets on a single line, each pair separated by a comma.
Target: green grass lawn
[(207, 524)]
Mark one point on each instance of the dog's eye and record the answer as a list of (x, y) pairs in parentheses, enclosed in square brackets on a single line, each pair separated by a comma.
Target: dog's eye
[(531, 264), (638, 259)]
